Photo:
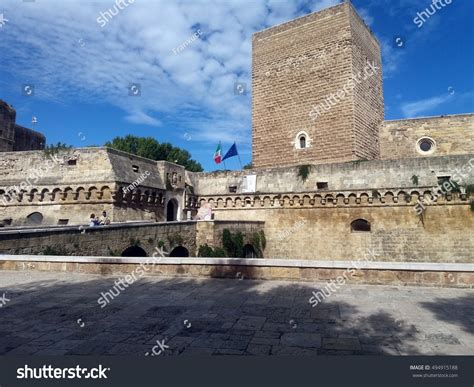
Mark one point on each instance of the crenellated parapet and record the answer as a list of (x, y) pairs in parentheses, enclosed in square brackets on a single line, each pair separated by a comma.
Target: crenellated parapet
[(349, 198)]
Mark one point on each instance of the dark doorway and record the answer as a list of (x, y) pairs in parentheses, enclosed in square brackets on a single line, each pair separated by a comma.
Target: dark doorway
[(249, 252), (172, 211), (34, 219), (179, 251), (134, 251)]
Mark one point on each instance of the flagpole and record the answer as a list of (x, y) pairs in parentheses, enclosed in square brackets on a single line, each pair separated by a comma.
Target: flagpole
[(223, 161), (238, 155)]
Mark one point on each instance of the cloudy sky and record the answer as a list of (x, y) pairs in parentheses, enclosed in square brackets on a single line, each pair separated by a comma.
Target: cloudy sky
[(81, 71)]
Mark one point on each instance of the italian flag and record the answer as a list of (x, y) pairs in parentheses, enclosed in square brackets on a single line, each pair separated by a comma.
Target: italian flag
[(218, 154)]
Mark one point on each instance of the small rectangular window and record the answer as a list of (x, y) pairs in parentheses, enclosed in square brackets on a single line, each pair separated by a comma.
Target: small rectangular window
[(72, 162), (135, 168), (443, 179), (7, 221), (322, 185), (63, 222), (232, 188)]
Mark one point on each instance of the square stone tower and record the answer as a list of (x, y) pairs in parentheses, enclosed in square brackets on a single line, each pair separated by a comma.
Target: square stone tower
[(317, 90)]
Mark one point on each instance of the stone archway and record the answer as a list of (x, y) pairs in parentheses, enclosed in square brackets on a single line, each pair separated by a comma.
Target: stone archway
[(179, 251), (249, 251), (134, 251)]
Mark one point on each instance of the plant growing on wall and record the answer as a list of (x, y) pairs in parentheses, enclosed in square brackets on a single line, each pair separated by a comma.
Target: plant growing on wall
[(414, 179), (208, 251), (304, 172), (233, 243), (469, 189), (112, 253), (134, 242), (175, 239), (53, 149), (50, 250), (161, 243), (259, 242), (472, 205), (375, 194)]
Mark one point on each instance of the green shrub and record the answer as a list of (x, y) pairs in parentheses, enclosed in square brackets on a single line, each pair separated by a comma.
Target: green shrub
[(259, 242), (233, 243), (414, 179), (50, 250), (303, 172), (209, 252)]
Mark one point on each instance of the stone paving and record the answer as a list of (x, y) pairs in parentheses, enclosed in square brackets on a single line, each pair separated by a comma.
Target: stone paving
[(58, 314)]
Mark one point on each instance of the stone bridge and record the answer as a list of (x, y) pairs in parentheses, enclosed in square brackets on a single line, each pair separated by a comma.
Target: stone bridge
[(134, 239)]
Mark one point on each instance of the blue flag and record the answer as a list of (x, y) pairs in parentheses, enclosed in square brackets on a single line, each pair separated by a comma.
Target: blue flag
[(231, 152)]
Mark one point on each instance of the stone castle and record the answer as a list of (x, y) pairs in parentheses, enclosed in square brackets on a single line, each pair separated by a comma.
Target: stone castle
[(14, 137), (330, 177)]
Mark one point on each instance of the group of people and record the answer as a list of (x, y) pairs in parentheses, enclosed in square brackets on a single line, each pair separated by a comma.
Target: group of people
[(104, 220)]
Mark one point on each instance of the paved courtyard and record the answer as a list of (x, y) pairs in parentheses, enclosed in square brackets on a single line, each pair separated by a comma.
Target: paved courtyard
[(58, 314)]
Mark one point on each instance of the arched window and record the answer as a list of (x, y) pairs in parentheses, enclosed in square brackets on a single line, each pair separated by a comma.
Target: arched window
[(360, 225), (302, 142), (34, 219)]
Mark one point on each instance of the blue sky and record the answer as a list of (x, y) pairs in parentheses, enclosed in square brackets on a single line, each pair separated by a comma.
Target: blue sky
[(82, 71)]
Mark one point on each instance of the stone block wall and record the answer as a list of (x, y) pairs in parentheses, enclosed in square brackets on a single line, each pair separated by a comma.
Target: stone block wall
[(27, 139), (357, 175), (300, 64), (368, 94), (453, 135), (397, 233), (72, 184), (7, 127)]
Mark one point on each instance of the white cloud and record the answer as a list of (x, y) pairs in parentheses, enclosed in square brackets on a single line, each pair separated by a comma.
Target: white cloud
[(412, 109), (61, 48)]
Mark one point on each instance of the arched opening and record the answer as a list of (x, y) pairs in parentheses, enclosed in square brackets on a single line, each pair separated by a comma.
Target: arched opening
[(34, 219), (134, 251), (249, 251), (172, 211), (302, 142), (179, 251), (360, 225)]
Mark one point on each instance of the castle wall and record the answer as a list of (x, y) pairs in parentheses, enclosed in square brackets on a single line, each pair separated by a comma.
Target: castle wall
[(368, 94), (7, 127), (72, 184), (297, 65), (453, 135), (299, 228), (308, 62), (357, 175), (27, 139)]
